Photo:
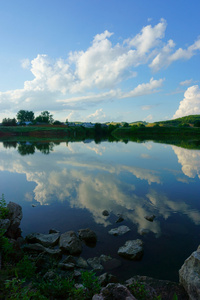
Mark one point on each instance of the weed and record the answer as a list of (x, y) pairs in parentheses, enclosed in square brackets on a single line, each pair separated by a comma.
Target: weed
[(90, 282), (18, 290), (58, 287), (138, 290), (175, 297), (6, 247), (26, 268)]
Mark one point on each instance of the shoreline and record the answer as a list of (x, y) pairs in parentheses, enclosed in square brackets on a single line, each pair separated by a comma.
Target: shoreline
[(64, 252)]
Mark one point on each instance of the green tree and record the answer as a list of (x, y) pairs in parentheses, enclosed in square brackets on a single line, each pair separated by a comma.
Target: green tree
[(45, 117), (56, 122), (97, 127), (9, 122), (25, 116), (125, 124), (197, 123)]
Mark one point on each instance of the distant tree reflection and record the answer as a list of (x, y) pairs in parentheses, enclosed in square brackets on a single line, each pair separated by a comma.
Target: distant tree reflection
[(45, 148), (27, 148), (10, 144)]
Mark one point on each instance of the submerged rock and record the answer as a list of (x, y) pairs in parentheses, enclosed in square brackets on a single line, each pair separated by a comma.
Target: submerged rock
[(70, 243), (189, 275), (95, 263), (104, 258), (82, 263), (120, 219), (119, 230), (143, 231), (111, 264), (47, 240), (150, 218), (132, 249), (87, 235), (52, 230), (105, 213)]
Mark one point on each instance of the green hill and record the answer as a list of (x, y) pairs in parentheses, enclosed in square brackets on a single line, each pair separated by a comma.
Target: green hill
[(193, 120)]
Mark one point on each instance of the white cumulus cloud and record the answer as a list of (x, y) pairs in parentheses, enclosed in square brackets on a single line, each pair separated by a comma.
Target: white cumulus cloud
[(97, 115), (149, 37), (95, 74), (166, 56), (142, 89), (190, 105)]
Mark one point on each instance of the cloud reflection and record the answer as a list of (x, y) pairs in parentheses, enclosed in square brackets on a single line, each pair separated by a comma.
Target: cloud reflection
[(92, 183), (190, 161)]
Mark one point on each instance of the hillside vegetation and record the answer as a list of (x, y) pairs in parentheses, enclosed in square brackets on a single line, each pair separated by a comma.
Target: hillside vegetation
[(192, 120)]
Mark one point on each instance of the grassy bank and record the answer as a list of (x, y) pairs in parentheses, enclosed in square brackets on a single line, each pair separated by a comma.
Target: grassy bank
[(186, 137)]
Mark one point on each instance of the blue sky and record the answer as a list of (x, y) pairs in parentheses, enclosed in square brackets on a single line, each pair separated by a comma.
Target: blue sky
[(98, 60)]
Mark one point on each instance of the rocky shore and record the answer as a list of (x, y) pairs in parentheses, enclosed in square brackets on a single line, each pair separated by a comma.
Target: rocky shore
[(65, 249)]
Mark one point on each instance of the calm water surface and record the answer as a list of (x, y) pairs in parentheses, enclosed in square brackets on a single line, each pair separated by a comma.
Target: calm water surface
[(75, 182)]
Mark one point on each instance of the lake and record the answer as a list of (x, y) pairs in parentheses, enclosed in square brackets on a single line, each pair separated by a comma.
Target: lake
[(70, 184)]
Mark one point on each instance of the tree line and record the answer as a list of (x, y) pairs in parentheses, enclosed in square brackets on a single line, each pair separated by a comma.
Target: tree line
[(24, 116)]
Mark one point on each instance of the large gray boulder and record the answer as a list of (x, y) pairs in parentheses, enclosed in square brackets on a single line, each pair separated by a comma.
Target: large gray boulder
[(47, 240), (189, 275), (15, 216), (70, 243), (132, 249)]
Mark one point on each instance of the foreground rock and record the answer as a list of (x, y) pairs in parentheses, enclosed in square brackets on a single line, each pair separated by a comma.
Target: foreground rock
[(154, 288), (38, 248), (4, 224), (107, 278), (14, 215), (70, 243), (47, 240), (119, 230), (189, 275), (132, 249), (115, 292)]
